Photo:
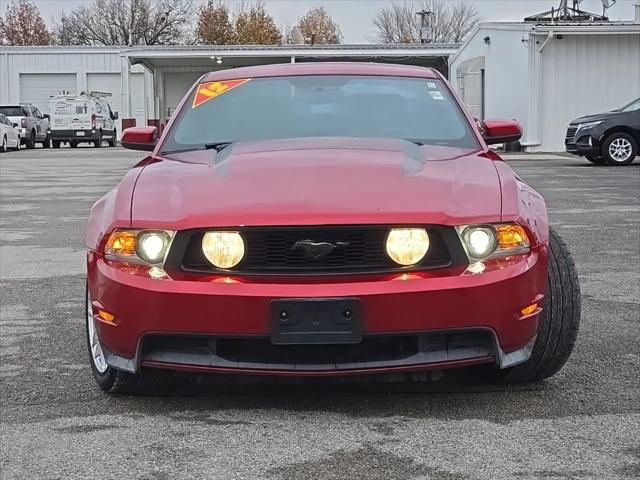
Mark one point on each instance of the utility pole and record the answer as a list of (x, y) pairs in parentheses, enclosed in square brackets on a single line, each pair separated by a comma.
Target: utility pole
[(425, 31)]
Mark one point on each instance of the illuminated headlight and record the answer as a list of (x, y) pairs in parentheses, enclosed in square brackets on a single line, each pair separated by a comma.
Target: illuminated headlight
[(407, 246), (152, 246), (139, 246), (223, 249), (483, 241)]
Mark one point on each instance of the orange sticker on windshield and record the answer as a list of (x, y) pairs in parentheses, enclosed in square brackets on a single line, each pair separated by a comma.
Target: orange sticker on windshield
[(210, 90)]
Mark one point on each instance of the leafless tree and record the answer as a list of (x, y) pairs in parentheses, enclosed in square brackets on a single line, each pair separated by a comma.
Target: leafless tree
[(319, 26), (23, 25), (447, 22), (255, 26), (214, 26), (126, 22)]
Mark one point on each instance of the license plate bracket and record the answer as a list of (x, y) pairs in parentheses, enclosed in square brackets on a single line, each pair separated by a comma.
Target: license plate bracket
[(316, 321)]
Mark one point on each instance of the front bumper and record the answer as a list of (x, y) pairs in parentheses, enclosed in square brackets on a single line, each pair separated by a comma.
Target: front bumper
[(447, 312), (582, 144)]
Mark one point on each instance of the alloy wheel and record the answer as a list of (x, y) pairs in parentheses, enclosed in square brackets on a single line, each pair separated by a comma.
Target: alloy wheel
[(620, 149)]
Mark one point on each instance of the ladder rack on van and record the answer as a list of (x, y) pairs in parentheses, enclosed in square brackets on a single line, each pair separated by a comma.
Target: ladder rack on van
[(73, 96)]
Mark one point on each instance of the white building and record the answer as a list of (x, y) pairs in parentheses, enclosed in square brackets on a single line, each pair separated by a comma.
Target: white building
[(547, 74), (148, 82)]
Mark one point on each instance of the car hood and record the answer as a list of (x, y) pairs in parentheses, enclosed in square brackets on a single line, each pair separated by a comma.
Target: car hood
[(315, 182), (595, 117)]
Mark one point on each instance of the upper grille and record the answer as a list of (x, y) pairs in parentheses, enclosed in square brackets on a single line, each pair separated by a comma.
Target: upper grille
[(571, 132), (270, 250)]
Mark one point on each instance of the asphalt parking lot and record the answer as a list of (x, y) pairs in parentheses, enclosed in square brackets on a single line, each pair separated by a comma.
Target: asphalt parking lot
[(56, 424)]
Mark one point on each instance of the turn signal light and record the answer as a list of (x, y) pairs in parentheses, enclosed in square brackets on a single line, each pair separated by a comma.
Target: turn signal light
[(121, 242), (106, 316), (511, 235), (528, 310)]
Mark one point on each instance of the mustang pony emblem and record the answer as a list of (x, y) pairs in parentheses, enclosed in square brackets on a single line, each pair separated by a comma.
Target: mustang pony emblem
[(315, 251)]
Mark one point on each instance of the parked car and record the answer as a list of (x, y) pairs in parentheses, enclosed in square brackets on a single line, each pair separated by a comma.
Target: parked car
[(9, 135), (82, 118), (610, 138), (34, 126), (325, 219)]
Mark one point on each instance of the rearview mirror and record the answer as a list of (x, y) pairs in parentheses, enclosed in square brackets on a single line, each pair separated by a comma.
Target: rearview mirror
[(501, 131), (140, 138)]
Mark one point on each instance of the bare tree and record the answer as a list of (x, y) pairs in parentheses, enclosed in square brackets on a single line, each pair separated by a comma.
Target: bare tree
[(214, 26), (255, 26), (126, 22), (319, 27), (23, 25), (446, 22)]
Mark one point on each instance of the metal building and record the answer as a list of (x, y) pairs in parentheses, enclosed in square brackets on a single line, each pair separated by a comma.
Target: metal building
[(148, 82), (547, 74)]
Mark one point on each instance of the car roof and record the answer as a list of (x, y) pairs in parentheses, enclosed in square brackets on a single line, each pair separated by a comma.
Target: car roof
[(323, 68)]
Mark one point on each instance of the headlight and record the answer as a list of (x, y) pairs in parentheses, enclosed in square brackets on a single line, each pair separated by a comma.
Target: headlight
[(483, 241), (152, 246), (223, 249), (407, 246), (587, 125), (139, 246)]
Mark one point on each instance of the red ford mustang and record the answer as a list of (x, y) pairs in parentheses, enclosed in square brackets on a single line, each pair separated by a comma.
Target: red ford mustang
[(325, 219)]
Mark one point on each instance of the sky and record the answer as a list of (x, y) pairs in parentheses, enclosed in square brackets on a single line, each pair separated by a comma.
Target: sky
[(354, 16)]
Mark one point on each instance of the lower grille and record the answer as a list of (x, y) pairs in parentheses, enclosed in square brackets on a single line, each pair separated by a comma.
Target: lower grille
[(354, 249)]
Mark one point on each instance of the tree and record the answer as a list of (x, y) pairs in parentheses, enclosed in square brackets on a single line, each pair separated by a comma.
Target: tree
[(447, 22), (318, 26), (126, 22), (255, 26), (214, 26), (23, 25)]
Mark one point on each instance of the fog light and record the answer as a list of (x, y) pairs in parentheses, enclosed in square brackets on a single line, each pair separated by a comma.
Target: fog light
[(407, 246), (223, 249)]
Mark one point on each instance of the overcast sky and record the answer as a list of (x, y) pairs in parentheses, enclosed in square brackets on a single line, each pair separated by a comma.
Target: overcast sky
[(354, 16)]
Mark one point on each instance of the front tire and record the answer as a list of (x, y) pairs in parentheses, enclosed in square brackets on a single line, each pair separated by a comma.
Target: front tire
[(31, 142), (55, 143), (619, 149), (114, 138), (3, 145), (98, 141), (47, 142), (558, 323), (109, 379)]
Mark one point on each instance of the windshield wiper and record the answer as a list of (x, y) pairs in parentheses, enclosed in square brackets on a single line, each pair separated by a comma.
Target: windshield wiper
[(218, 146)]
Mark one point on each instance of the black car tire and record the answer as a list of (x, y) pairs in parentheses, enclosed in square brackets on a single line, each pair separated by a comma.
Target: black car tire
[(55, 143), (595, 160), (3, 145), (46, 142), (619, 137), (114, 138), (558, 322), (98, 141), (73, 144), (31, 142), (117, 381)]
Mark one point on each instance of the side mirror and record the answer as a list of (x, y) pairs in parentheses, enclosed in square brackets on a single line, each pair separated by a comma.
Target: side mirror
[(501, 131), (115, 115), (15, 125), (47, 116), (140, 138)]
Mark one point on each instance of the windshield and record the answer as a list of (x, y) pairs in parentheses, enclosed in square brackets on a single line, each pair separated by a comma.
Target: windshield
[(416, 109), (15, 111), (635, 105)]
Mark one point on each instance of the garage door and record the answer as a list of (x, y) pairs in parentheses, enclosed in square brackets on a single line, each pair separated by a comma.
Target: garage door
[(36, 88), (111, 83)]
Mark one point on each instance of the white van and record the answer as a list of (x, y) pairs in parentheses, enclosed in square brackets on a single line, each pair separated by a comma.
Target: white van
[(82, 118)]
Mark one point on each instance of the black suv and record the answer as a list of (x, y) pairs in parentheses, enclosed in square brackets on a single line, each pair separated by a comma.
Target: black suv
[(610, 138)]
